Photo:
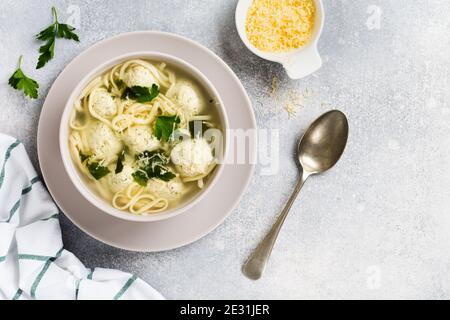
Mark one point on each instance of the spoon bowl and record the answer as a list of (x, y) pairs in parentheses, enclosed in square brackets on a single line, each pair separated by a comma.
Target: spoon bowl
[(319, 149), (323, 143)]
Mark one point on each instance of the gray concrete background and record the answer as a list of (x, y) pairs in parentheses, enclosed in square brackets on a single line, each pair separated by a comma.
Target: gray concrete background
[(377, 226)]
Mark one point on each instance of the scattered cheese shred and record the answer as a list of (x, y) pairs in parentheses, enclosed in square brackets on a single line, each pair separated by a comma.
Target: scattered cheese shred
[(275, 86), (294, 101), (280, 25), (289, 100)]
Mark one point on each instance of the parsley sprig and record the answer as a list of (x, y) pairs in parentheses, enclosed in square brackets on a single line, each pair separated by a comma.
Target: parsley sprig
[(20, 81), (120, 160), (49, 35), (152, 165), (141, 94), (165, 126), (97, 170)]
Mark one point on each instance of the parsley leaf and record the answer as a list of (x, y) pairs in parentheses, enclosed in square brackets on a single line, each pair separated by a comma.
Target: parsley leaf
[(153, 164), (65, 31), (120, 160), (97, 171), (140, 177), (120, 84), (167, 176), (49, 35), (83, 157), (141, 94), (20, 81), (165, 126), (47, 52)]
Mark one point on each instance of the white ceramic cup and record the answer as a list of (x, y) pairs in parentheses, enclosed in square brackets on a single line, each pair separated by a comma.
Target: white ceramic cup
[(77, 178), (298, 63)]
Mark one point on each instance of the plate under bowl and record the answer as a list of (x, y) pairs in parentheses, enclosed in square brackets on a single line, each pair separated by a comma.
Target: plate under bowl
[(160, 235)]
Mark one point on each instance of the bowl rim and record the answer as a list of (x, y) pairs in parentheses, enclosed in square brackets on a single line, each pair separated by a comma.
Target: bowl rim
[(73, 173)]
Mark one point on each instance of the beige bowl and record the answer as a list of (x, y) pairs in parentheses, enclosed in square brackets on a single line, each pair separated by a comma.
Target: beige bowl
[(77, 178)]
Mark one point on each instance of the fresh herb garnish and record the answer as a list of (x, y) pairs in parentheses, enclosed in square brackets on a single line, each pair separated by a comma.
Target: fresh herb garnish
[(141, 94), (165, 176), (49, 35), (120, 160), (165, 126), (120, 83), (197, 128), (152, 164), (20, 81), (141, 178), (83, 157), (97, 171)]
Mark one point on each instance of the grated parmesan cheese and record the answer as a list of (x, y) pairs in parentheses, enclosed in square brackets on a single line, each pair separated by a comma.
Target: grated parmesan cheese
[(294, 102), (280, 25), (275, 86), (286, 100)]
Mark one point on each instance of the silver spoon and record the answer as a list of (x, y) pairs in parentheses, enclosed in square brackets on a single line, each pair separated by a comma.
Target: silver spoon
[(319, 149)]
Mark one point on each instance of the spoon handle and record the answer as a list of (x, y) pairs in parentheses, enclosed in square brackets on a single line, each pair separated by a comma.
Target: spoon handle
[(255, 265)]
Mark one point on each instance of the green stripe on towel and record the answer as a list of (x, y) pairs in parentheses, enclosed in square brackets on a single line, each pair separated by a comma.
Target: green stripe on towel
[(7, 155), (17, 295), (2, 258), (125, 288), (55, 216), (13, 210), (28, 189), (77, 288), (24, 191), (42, 273), (33, 257)]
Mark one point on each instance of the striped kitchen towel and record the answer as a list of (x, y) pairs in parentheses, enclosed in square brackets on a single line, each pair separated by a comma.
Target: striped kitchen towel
[(33, 263)]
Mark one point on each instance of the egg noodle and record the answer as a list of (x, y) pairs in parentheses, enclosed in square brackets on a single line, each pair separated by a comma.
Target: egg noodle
[(106, 125)]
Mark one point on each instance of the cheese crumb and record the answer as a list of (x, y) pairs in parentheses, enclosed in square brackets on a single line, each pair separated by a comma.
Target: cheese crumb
[(275, 86), (291, 108), (294, 102), (286, 100), (280, 25)]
